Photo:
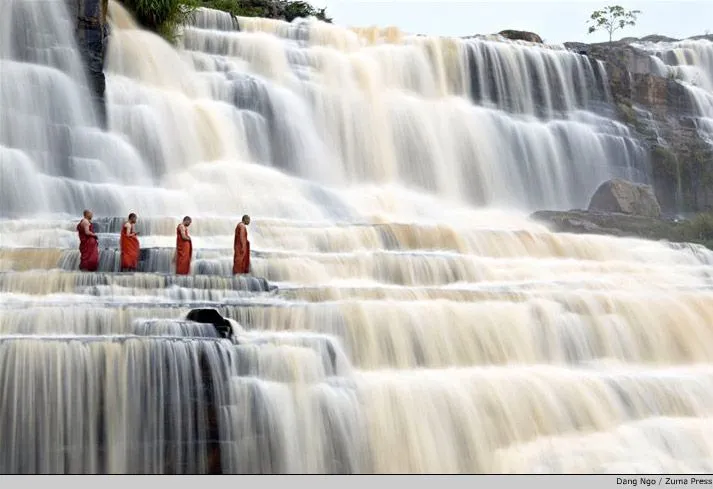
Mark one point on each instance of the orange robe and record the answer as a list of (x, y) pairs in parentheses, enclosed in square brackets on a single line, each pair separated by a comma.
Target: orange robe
[(130, 249), (88, 249), (184, 252), (241, 250)]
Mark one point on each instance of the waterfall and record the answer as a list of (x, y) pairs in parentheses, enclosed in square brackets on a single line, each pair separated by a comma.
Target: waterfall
[(326, 111), (403, 315), (690, 62)]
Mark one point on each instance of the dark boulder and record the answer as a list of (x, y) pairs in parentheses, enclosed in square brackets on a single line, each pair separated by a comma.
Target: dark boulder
[(211, 316)]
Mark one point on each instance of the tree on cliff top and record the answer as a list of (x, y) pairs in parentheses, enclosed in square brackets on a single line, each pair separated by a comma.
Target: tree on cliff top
[(611, 19), (294, 10)]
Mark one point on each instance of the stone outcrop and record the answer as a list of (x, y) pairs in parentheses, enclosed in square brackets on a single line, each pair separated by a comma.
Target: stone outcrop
[(613, 224), (514, 35), (625, 209), (697, 231), (91, 29), (625, 197)]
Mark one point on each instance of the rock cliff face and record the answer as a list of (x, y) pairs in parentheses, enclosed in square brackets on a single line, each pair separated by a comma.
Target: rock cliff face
[(657, 102), (91, 29)]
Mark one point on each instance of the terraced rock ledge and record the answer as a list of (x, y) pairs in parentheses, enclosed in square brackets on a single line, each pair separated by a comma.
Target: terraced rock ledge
[(696, 231)]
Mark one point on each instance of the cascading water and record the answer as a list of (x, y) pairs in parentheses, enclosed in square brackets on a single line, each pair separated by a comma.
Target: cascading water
[(691, 63), (410, 331), (386, 113)]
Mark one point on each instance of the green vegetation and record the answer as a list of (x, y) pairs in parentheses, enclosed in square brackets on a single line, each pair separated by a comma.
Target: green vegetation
[(611, 19), (695, 175), (626, 112), (161, 16), (294, 10), (164, 16), (272, 9), (684, 173), (664, 163), (699, 229)]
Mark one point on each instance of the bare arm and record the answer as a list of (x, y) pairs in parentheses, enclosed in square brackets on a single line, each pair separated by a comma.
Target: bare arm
[(130, 229), (184, 235), (85, 228)]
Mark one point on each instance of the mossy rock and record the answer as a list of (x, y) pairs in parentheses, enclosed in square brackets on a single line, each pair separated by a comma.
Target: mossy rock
[(627, 113), (663, 161), (645, 130)]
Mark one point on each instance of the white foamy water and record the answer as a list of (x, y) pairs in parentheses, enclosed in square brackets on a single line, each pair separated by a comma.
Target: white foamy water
[(691, 63), (421, 322)]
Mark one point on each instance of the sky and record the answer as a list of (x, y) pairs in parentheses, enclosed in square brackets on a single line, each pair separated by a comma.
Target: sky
[(554, 21)]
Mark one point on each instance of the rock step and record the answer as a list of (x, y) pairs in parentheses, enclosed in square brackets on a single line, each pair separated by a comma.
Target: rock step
[(219, 226), (96, 304), (70, 281), (251, 348), (166, 225), (400, 335)]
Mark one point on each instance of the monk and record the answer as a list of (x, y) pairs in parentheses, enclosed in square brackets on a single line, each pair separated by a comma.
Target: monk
[(184, 247), (129, 245), (88, 244), (241, 247)]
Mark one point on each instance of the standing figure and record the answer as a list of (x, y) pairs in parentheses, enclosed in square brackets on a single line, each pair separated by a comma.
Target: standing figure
[(129, 245), (88, 244), (184, 247), (241, 247)]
